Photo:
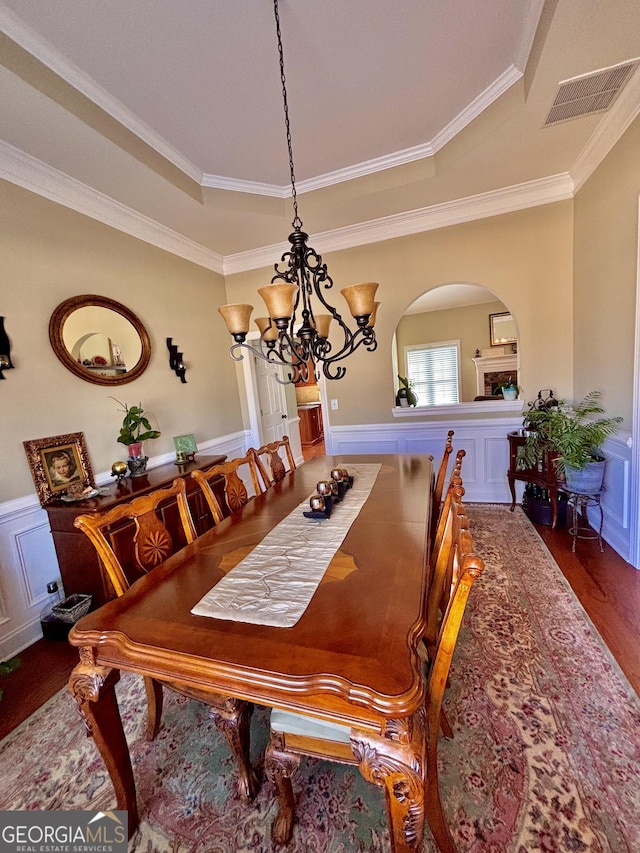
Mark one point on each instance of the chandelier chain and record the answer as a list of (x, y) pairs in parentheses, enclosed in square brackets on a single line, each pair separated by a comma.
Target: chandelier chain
[(297, 222), (295, 334)]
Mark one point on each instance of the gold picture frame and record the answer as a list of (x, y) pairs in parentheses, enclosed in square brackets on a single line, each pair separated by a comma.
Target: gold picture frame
[(58, 462), (502, 329)]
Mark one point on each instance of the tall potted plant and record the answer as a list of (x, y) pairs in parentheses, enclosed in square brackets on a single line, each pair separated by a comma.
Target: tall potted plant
[(571, 438)]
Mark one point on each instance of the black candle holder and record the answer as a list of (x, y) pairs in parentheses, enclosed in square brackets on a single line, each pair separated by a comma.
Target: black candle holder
[(175, 360)]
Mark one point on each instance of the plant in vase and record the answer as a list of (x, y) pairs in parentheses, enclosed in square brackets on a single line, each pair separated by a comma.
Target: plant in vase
[(134, 430), (508, 388), (406, 396), (571, 439)]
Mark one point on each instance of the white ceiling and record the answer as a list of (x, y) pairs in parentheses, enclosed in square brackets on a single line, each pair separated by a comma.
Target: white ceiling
[(164, 117)]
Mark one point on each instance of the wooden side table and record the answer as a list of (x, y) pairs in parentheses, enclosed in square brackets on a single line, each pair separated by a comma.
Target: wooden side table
[(543, 476)]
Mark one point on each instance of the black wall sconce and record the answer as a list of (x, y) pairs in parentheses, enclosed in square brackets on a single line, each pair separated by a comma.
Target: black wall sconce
[(5, 350), (175, 360)]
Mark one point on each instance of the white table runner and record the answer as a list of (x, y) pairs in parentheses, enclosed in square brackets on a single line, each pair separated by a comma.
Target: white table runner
[(274, 584)]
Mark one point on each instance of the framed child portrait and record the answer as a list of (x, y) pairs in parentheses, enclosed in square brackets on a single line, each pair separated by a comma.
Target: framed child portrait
[(58, 463)]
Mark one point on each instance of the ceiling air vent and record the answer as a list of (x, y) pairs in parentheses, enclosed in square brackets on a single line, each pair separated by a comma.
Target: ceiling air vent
[(591, 93)]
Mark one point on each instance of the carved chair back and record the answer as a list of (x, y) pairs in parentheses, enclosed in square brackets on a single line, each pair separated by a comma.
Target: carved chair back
[(234, 490), (271, 465), (438, 485), (151, 542), (439, 531)]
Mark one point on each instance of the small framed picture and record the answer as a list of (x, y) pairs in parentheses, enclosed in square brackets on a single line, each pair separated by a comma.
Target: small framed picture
[(185, 444), (57, 464), (502, 329)]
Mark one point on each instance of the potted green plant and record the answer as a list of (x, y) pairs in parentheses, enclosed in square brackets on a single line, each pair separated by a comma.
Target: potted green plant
[(571, 438), (509, 389), (406, 396), (134, 430)]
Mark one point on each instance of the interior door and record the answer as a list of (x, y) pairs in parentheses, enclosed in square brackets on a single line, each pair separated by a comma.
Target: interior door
[(271, 400)]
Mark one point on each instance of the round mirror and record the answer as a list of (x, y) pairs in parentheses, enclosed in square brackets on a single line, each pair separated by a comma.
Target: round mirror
[(99, 340)]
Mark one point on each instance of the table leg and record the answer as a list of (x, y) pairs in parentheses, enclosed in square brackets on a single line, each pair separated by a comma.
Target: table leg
[(280, 766), (92, 687), (155, 699), (394, 762), (232, 717), (512, 487)]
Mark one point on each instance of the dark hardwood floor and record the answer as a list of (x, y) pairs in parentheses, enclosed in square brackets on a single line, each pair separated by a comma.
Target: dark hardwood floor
[(607, 587), (45, 668), (609, 590)]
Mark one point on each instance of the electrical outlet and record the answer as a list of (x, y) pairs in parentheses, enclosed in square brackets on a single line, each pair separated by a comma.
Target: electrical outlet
[(334, 404), (52, 587)]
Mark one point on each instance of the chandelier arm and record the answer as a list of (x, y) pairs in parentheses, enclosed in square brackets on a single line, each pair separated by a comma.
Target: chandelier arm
[(268, 357), (362, 337)]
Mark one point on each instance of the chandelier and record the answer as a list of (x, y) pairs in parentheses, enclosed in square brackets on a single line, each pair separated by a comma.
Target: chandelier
[(295, 333)]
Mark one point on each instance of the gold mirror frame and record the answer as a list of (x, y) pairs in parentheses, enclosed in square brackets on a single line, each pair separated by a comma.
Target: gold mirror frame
[(56, 324)]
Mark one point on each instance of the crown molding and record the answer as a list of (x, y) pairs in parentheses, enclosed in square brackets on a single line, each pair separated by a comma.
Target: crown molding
[(37, 177), (40, 49), (477, 106), (532, 21), (237, 185), (378, 164), (494, 203), (609, 130)]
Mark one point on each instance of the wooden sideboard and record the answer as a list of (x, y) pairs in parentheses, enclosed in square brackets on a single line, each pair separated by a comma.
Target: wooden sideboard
[(311, 426), (79, 564), (543, 475)]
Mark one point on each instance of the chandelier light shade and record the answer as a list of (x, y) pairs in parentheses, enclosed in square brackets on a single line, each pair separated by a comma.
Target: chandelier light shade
[(296, 331)]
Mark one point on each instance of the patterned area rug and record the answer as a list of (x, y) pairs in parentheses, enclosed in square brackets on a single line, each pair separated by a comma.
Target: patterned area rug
[(545, 755)]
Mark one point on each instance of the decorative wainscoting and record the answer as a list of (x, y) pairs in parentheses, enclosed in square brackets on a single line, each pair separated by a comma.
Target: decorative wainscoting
[(484, 470), (28, 559)]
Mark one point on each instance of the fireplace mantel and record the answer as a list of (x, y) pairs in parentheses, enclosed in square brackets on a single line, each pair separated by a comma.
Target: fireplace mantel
[(494, 364)]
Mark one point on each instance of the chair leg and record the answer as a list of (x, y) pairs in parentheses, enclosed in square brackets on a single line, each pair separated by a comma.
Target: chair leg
[(233, 719), (447, 731), (153, 689), (433, 804), (280, 766)]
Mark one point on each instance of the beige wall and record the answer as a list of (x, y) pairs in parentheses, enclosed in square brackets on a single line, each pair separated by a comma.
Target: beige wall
[(571, 289), (469, 325), (524, 258), (50, 253), (606, 275)]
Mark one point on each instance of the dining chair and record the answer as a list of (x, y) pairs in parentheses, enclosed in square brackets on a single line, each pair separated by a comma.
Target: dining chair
[(442, 568), (271, 466), (440, 528), (225, 478), (293, 735), (438, 484), (132, 539)]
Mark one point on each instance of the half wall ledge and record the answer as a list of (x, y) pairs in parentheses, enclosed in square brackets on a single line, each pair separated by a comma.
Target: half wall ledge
[(479, 407)]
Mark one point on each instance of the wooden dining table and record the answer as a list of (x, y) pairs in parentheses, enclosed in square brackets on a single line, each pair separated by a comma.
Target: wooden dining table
[(351, 658)]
